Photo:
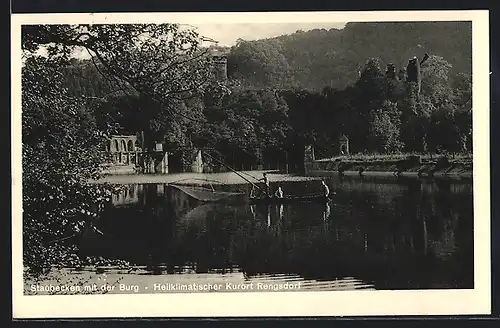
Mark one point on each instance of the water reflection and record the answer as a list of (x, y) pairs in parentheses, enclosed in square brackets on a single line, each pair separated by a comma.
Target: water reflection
[(386, 235), (130, 195)]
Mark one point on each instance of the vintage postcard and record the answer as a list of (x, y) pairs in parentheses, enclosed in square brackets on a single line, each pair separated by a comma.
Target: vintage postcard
[(250, 164)]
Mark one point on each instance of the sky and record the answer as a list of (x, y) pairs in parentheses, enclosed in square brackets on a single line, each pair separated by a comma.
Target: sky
[(227, 34)]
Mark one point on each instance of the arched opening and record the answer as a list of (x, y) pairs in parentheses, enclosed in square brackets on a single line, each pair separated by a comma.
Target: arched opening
[(123, 146), (343, 149), (130, 145), (115, 144)]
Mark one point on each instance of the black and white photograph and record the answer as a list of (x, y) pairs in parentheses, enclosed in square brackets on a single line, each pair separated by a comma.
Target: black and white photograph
[(250, 164)]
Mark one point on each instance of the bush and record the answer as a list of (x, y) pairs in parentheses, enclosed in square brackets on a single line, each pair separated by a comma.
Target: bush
[(414, 159), (443, 161), (60, 154)]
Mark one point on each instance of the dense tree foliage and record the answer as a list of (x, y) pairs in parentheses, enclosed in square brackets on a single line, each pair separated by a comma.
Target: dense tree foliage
[(157, 70), (161, 64), (158, 80), (260, 64), (378, 112), (61, 153), (344, 74), (318, 58), (385, 128), (246, 125)]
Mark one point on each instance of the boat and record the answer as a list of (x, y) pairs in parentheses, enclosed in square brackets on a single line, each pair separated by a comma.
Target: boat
[(205, 194), (308, 198)]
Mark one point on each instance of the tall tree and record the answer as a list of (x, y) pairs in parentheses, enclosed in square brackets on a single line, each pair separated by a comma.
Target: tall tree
[(385, 128), (436, 83), (415, 112), (370, 94), (164, 64), (262, 64), (61, 146)]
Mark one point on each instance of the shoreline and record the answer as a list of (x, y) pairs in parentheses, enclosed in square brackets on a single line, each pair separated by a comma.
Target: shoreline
[(408, 174), (231, 178), (411, 166)]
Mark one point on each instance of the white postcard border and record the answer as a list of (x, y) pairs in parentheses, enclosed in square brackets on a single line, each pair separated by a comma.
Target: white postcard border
[(345, 303)]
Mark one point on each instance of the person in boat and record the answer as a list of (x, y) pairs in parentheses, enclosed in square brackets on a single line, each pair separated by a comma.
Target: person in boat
[(326, 190), (279, 193), (265, 180)]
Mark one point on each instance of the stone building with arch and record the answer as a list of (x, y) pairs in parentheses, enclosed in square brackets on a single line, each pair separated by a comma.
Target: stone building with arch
[(126, 155), (123, 150)]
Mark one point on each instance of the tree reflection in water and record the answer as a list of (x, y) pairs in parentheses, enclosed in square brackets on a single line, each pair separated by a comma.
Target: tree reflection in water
[(393, 234)]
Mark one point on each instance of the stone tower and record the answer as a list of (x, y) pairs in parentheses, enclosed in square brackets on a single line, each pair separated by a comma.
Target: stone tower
[(220, 62), (413, 70)]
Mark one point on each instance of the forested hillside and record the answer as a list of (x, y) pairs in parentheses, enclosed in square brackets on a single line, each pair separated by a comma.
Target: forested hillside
[(319, 58), (325, 58), (329, 82)]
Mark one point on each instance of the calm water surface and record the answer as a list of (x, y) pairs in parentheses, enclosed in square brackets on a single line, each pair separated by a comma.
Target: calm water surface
[(404, 234)]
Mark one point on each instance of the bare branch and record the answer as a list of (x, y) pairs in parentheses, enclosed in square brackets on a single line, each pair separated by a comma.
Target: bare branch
[(181, 63), (104, 75)]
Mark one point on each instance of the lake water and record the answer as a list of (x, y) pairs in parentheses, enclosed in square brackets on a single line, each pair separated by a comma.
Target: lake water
[(374, 234)]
